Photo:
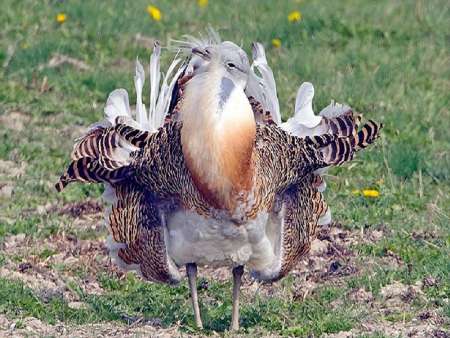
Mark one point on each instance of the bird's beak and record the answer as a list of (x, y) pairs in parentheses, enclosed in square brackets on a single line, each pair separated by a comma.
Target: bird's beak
[(202, 53)]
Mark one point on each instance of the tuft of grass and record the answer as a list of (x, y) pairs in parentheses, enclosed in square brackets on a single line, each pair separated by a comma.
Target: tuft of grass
[(406, 158), (400, 316), (46, 252)]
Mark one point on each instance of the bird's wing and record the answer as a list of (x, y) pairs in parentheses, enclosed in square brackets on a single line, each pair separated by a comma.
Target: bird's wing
[(286, 158), (262, 93), (332, 119), (105, 155), (286, 166), (137, 238), (138, 233), (303, 208)]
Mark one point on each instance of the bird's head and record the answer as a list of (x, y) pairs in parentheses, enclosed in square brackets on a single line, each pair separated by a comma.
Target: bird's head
[(226, 56)]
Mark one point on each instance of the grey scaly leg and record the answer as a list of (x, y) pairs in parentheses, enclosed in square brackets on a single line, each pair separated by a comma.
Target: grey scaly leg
[(191, 270), (238, 271)]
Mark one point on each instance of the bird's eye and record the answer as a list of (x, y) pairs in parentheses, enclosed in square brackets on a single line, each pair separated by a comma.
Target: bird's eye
[(231, 65)]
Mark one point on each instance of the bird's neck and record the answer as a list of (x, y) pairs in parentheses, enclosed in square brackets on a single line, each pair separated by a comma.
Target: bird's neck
[(218, 139)]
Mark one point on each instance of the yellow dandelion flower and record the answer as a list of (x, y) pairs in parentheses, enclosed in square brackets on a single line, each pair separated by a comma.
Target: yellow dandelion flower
[(294, 16), (202, 3), (371, 193), (276, 43), (154, 12), (61, 18)]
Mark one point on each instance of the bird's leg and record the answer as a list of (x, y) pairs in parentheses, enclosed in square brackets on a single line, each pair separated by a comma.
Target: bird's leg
[(238, 271), (191, 270)]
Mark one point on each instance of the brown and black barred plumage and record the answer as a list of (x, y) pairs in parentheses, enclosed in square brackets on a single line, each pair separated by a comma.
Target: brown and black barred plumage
[(154, 173)]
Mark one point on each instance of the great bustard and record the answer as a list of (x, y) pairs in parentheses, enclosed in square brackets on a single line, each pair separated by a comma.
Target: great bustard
[(211, 185)]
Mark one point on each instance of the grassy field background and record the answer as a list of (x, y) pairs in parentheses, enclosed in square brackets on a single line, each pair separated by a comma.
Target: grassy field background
[(382, 269)]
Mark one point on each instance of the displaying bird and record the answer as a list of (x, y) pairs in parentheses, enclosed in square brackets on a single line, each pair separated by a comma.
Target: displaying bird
[(210, 175)]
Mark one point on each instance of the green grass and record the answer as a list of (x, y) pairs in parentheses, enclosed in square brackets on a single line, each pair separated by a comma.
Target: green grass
[(387, 59), (131, 298)]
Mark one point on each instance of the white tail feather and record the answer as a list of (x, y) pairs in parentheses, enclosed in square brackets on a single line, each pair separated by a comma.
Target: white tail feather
[(165, 94), (263, 88), (117, 104), (334, 109), (304, 122), (139, 80), (325, 219), (304, 113), (155, 76)]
